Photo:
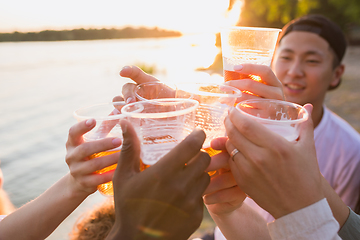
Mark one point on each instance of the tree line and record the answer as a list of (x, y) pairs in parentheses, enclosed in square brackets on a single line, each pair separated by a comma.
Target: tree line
[(88, 34), (276, 13)]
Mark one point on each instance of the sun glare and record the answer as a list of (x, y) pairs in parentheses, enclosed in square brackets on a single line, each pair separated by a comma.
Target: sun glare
[(202, 17)]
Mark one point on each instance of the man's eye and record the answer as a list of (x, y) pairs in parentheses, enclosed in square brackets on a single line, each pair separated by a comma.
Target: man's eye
[(312, 61), (285, 58)]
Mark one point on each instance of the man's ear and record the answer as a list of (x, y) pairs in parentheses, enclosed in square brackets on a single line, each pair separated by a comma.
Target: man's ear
[(337, 74)]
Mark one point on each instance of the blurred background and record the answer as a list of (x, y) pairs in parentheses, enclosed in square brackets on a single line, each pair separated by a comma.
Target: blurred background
[(58, 56)]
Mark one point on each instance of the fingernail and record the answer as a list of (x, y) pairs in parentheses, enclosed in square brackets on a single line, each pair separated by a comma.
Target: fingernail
[(116, 111), (124, 69), (116, 141), (130, 100), (238, 67), (89, 122)]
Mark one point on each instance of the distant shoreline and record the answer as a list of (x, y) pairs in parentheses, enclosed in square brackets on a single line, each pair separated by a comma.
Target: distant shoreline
[(88, 34)]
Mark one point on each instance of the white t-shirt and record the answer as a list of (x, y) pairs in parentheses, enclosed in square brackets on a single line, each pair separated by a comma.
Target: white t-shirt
[(338, 153), (313, 222)]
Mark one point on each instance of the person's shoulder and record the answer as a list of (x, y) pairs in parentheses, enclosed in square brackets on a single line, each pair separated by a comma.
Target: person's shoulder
[(342, 128)]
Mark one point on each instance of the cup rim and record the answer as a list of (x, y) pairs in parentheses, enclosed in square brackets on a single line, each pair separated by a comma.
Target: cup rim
[(117, 115), (290, 121), (237, 94), (142, 84), (169, 101), (251, 28)]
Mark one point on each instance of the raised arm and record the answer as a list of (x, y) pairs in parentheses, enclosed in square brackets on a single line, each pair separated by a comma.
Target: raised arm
[(224, 201), (40, 217)]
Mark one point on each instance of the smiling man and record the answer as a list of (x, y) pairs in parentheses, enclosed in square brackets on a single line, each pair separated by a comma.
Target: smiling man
[(308, 63)]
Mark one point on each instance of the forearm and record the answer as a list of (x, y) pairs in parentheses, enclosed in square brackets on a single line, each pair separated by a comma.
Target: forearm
[(40, 217), (6, 206), (339, 209), (243, 223)]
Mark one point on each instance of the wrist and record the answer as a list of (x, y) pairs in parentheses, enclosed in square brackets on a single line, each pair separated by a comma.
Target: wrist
[(74, 192), (294, 206)]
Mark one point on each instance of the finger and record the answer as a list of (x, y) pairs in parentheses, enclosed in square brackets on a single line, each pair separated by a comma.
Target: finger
[(263, 71), (253, 131), (183, 152), (196, 166), (219, 182), (136, 74), (307, 130), (236, 138), (257, 88), (237, 157), (118, 99), (198, 188), (77, 131), (218, 161), (93, 180), (219, 143), (128, 92), (88, 149), (232, 195), (96, 164), (129, 160)]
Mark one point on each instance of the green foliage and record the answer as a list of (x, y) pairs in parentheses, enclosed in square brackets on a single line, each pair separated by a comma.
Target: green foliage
[(150, 69), (276, 13)]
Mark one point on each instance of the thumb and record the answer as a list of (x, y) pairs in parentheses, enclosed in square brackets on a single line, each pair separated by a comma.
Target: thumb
[(307, 128), (129, 160)]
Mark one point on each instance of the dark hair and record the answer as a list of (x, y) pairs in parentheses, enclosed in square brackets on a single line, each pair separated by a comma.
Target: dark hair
[(95, 224)]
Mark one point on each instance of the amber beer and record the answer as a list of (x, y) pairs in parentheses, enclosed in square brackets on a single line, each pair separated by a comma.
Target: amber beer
[(143, 166), (232, 75), (105, 188), (209, 150)]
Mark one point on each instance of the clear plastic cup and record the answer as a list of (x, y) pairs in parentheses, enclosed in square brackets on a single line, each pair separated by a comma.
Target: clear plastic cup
[(215, 101), (154, 90), (281, 117), (246, 45), (160, 125), (107, 117)]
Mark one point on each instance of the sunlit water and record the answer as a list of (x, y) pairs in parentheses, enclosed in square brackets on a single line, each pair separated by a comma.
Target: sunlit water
[(42, 83)]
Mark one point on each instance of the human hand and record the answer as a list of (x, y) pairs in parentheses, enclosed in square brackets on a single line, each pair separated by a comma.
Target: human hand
[(280, 176), (163, 201), (270, 87), (222, 196), (82, 178), (138, 76)]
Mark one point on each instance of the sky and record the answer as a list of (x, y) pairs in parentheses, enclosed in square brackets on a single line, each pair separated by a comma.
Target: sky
[(187, 16)]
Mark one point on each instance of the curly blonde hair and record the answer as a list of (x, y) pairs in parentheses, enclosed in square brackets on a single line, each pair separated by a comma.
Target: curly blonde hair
[(95, 224)]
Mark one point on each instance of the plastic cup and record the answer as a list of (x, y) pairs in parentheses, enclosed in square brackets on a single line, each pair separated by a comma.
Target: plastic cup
[(246, 45), (154, 90), (107, 117), (215, 101), (160, 125), (283, 118)]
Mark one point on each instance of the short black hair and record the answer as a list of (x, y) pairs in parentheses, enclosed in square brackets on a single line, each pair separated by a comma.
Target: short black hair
[(322, 26)]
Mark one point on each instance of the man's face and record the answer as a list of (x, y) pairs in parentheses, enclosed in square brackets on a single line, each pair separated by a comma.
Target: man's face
[(303, 62)]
